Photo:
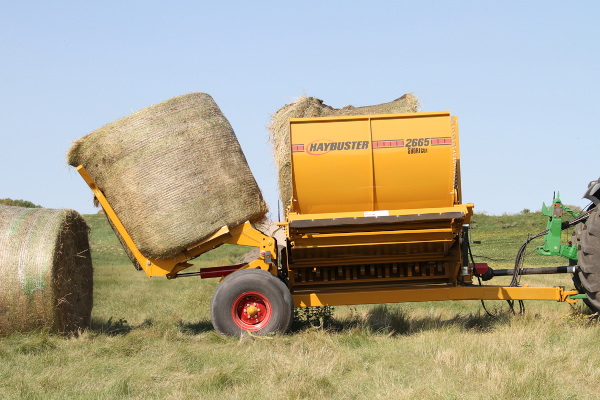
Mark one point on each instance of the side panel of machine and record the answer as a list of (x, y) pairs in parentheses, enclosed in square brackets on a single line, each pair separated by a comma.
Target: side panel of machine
[(333, 170), (372, 163), (413, 162)]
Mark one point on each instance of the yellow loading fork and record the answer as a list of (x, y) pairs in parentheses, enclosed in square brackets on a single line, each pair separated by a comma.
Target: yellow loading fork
[(245, 235)]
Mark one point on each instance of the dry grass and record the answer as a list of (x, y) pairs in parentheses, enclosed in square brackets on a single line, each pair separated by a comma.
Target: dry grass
[(446, 356), (152, 339)]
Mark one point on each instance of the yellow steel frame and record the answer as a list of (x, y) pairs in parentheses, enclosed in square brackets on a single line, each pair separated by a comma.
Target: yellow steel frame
[(314, 244), (431, 293), (245, 235), (366, 238), (466, 209)]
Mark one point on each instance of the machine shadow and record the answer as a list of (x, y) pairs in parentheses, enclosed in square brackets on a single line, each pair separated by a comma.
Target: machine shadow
[(111, 327), (195, 328), (382, 319)]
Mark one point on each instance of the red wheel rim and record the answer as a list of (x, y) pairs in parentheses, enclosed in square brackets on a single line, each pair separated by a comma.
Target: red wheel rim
[(251, 311)]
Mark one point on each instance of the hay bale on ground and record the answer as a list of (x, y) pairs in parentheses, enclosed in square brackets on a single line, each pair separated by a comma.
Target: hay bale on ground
[(46, 276), (173, 172), (310, 107)]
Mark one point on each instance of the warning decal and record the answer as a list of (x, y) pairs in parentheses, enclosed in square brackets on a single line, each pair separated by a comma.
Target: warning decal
[(388, 143), (441, 141)]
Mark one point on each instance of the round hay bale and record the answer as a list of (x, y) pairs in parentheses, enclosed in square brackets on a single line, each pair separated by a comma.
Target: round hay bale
[(310, 107), (46, 275), (174, 173)]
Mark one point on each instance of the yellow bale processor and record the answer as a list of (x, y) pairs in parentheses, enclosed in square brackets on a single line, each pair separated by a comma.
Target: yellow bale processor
[(376, 216)]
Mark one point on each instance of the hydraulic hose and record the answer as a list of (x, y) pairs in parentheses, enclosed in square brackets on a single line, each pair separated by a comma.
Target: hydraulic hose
[(521, 252)]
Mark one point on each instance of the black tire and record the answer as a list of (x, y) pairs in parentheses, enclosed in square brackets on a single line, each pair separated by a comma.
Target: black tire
[(233, 301), (579, 286), (575, 239), (587, 274)]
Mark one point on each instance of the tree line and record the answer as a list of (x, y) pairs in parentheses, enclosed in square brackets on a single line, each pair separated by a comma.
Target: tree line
[(18, 203)]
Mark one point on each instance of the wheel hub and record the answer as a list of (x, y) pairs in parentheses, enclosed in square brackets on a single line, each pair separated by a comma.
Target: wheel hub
[(251, 311)]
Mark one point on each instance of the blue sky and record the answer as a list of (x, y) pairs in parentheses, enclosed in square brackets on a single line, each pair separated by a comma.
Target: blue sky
[(522, 77)]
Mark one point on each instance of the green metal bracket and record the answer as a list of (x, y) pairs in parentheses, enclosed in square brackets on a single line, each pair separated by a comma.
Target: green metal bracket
[(578, 296), (552, 246)]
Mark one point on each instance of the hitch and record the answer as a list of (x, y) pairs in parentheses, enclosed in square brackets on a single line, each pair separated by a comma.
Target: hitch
[(552, 246), (486, 273)]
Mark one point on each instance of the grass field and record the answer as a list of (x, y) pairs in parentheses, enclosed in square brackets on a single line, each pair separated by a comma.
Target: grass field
[(153, 339)]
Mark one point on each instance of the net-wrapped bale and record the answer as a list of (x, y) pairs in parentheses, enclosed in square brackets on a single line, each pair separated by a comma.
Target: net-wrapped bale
[(124, 245), (46, 276), (128, 251), (310, 107), (174, 173)]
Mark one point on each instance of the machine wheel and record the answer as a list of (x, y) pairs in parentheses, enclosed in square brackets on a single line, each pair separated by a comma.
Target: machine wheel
[(587, 275), (251, 300)]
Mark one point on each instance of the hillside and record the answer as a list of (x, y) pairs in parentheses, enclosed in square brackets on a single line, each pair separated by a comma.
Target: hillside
[(18, 203)]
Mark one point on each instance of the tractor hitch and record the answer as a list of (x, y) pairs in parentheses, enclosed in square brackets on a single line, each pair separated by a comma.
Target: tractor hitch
[(486, 273)]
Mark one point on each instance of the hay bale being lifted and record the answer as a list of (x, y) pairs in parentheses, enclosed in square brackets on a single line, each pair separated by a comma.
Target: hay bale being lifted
[(46, 277), (174, 173), (310, 107)]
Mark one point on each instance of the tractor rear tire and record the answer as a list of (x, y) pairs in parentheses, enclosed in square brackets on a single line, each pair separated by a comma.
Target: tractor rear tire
[(251, 300), (587, 273), (575, 239)]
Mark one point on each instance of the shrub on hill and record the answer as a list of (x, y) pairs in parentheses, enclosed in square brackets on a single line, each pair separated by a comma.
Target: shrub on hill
[(18, 203)]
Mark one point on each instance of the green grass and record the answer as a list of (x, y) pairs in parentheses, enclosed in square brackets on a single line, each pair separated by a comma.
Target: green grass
[(502, 236), (106, 249), (152, 339)]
